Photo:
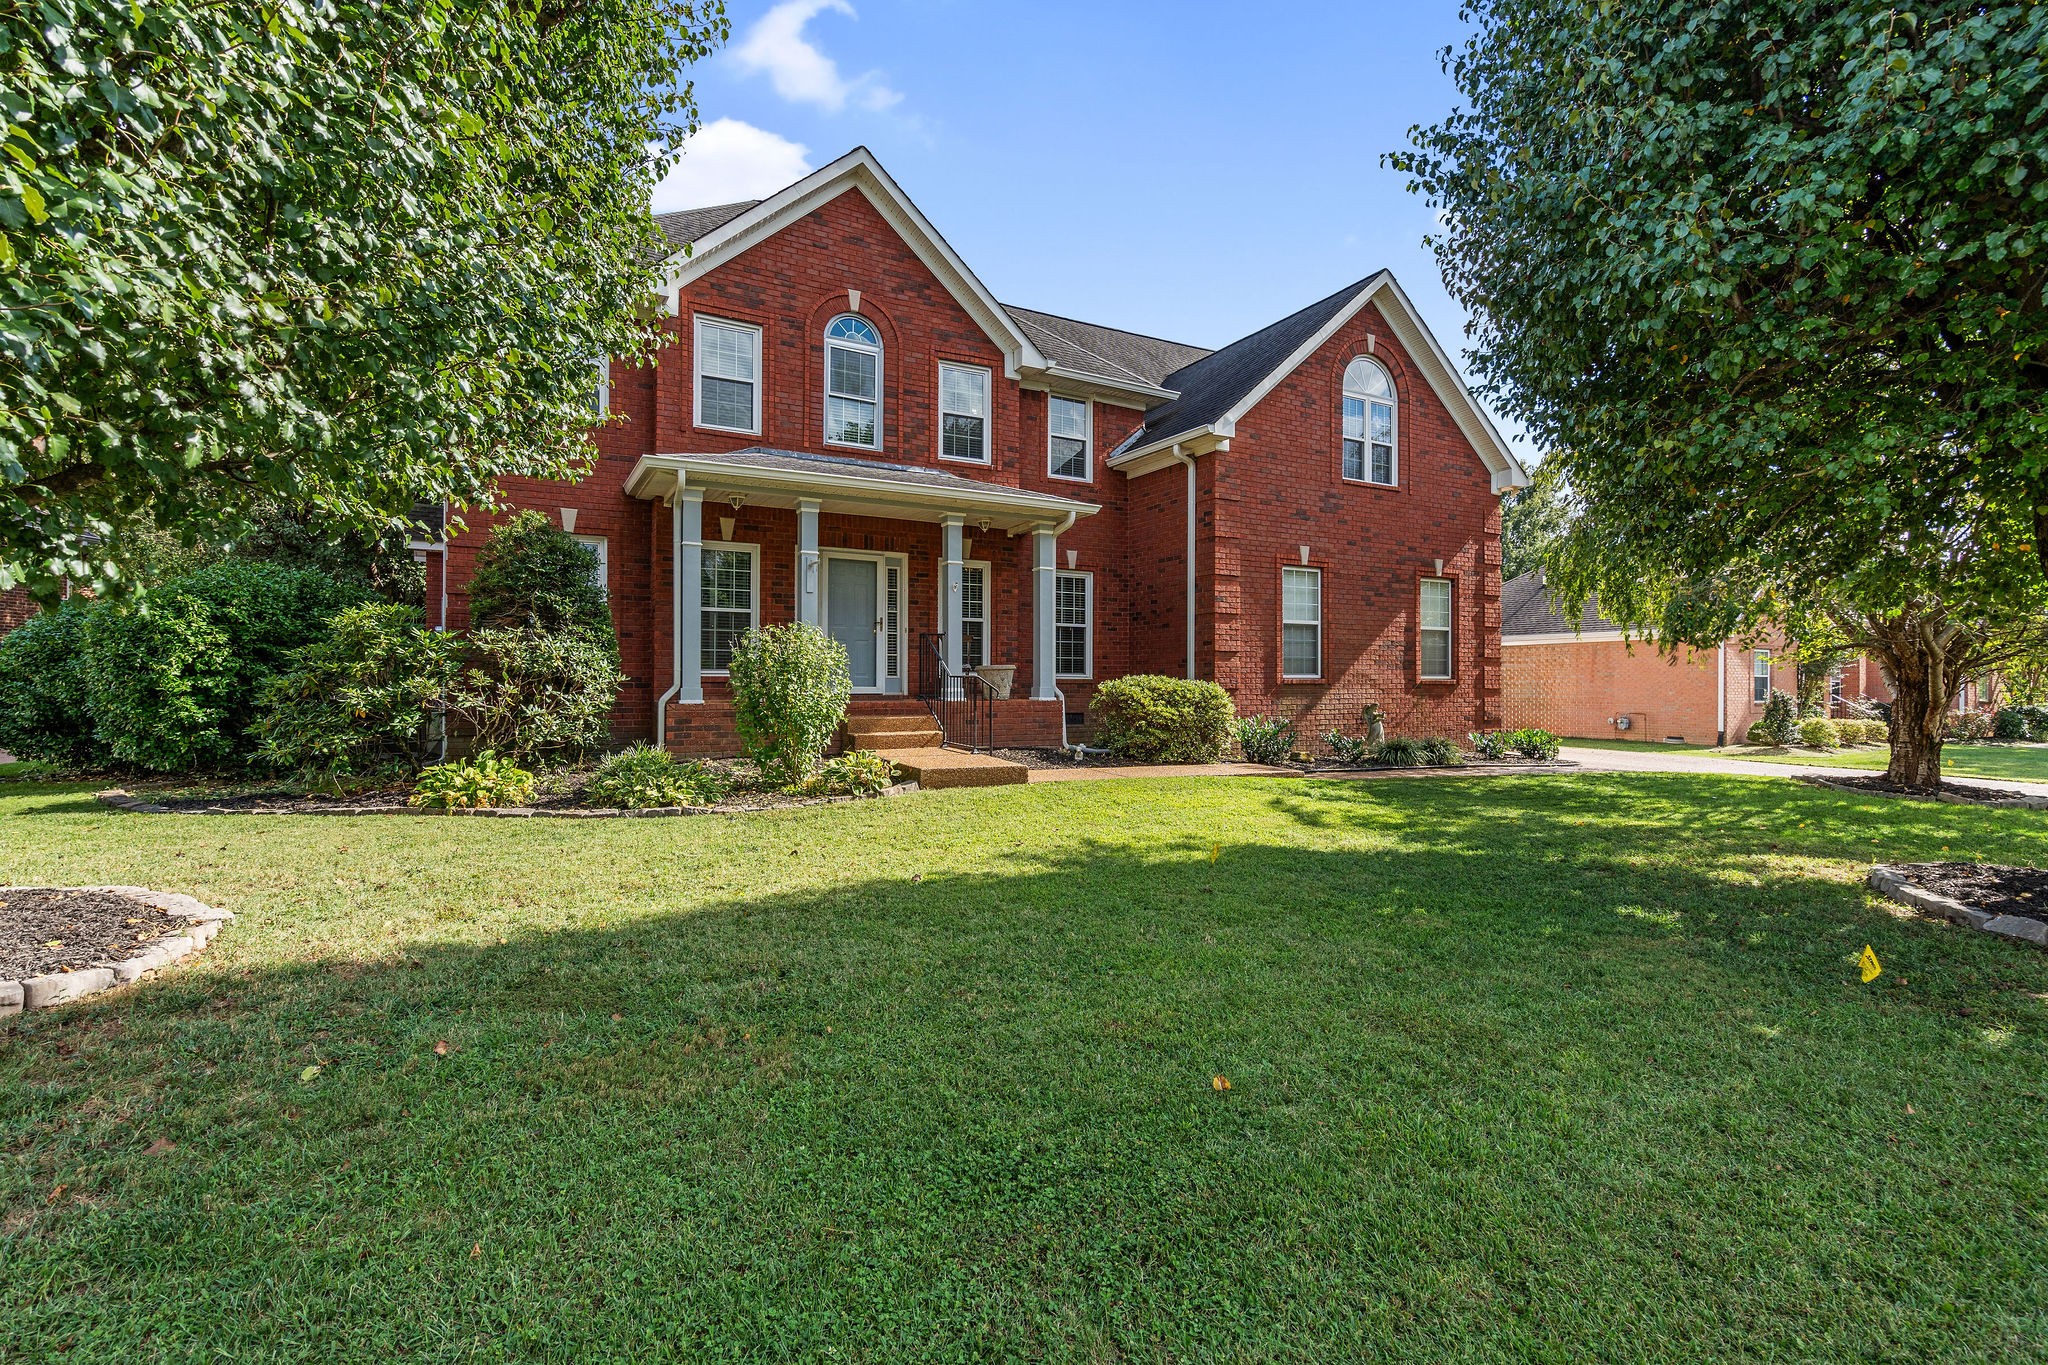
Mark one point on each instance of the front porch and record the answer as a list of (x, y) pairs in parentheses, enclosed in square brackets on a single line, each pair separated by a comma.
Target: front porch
[(933, 582)]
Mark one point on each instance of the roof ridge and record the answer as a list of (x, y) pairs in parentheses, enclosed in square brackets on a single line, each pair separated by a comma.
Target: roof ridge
[(1121, 331), (1348, 291)]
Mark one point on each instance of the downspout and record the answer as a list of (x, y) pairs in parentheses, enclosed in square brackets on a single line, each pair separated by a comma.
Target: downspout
[(1721, 695), (675, 630), (1189, 461)]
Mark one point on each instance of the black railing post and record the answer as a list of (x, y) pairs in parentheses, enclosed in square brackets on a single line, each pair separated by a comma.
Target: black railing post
[(963, 704)]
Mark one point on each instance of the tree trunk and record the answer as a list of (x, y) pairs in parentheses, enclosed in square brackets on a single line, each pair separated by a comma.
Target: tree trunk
[(1919, 715)]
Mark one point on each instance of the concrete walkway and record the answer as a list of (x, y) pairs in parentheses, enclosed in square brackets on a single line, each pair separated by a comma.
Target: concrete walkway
[(1656, 761)]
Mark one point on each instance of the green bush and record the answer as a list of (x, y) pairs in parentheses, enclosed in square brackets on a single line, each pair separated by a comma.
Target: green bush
[(1439, 752), (857, 772), (1856, 731), (530, 693), (1398, 753), (1758, 733), (175, 679), (1265, 739), (362, 704), (1533, 743), (790, 686), (645, 778), (1969, 727), (1356, 752), (1779, 723), (2009, 725), (474, 783), (532, 575), (1148, 718), (45, 705), (1818, 732), (1491, 744)]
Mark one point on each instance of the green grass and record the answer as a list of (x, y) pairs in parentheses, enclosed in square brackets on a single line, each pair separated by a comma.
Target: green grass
[(1545, 1068), (2021, 763), (1655, 746)]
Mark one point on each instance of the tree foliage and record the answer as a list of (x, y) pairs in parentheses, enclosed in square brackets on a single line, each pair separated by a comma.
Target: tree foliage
[(533, 575), (338, 252), (1532, 520), (1769, 278)]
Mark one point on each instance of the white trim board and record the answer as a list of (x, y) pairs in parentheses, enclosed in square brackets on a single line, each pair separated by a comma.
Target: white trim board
[(1566, 637)]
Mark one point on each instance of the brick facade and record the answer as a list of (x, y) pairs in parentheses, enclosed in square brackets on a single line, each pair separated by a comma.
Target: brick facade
[(1276, 488), (15, 608)]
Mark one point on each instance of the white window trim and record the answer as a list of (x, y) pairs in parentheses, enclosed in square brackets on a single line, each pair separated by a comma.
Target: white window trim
[(753, 615), (988, 419), (1449, 629), (604, 561), (602, 400), (701, 321), (880, 381), (988, 607), (1393, 402), (1087, 439), (1760, 675), (1087, 627), (1285, 570)]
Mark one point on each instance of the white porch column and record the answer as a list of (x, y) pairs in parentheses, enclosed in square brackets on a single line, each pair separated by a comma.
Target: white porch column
[(1044, 579), (807, 562), (689, 514), (951, 582)]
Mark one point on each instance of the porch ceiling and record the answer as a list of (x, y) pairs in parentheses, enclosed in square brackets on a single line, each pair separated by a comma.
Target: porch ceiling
[(865, 488)]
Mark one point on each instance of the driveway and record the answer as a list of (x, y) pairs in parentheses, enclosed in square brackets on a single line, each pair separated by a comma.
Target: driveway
[(1655, 761)]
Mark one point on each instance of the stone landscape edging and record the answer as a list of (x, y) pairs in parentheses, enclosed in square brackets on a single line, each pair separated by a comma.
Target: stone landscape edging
[(128, 801), (56, 988), (2022, 802), (1894, 880)]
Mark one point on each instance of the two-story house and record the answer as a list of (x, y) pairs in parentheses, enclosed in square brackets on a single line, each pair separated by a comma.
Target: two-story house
[(846, 428)]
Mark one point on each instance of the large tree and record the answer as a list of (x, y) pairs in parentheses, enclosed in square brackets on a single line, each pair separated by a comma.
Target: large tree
[(341, 253), (1769, 276), (1533, 520)]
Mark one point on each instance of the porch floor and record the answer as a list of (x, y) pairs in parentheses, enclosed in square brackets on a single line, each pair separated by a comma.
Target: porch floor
[(935, 768)]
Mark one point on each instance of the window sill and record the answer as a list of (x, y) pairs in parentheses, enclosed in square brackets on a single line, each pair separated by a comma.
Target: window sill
[(851, 445), (962, 459), (1297, 679), (1071, 478), (730, 431), (1369, 483)]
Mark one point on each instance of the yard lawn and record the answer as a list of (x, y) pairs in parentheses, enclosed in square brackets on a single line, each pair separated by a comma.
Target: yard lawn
[(1555, 1068), (2016, 762)]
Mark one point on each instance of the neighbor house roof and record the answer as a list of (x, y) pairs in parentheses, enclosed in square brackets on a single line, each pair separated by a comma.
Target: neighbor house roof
[(1527, 608)]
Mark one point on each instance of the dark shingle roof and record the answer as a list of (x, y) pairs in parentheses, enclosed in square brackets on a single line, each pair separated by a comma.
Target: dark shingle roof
[(1211, 386), (686, 226), (1090, 348), (1526, 608)]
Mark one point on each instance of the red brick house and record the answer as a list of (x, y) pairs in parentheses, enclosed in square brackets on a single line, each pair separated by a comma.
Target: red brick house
[(845, 427), (15, 608)]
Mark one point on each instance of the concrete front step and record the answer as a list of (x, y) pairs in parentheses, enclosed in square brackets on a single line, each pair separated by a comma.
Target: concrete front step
[(934, 768), (904, 730)]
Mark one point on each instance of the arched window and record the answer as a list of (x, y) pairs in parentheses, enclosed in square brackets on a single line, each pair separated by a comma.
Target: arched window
[(1369, 454), (853, 382)]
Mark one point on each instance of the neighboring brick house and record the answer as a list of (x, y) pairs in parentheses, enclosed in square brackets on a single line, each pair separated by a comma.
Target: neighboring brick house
[(846, 428), (1586, 679), (15, 607)]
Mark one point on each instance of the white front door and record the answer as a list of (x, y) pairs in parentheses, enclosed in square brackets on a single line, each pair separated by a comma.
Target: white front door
[(863, 611)]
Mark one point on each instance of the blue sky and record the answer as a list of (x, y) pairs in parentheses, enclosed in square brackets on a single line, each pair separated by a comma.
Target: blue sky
[(1194, 170)]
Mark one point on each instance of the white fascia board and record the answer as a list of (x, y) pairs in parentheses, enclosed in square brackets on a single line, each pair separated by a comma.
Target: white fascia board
[(858, 169), (1142, 460), (1104, 388), (1567, 637), (647, 480)]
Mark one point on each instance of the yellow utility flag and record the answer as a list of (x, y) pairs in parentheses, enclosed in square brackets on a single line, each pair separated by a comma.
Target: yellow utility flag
[(1870, 965), (1215, 852)]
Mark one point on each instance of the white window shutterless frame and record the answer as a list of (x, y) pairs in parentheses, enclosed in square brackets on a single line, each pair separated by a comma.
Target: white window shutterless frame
[(1069, 438), (974, 614), (853, 383), (728, 356), (730, 602), (1371, 454), (963, 413), (1435, 622), (1301, 623), (1073, 625), (600, 547), (1760, 678)]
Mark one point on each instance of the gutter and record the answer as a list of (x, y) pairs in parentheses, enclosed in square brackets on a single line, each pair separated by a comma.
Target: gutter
[(1189, 461), (675, 630), (1721, 695)]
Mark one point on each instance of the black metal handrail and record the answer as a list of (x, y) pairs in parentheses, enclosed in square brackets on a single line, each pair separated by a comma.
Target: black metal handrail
[(961, 701)]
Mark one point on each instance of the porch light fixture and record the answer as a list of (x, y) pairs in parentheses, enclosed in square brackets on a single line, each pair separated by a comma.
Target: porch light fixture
[(738, 500)]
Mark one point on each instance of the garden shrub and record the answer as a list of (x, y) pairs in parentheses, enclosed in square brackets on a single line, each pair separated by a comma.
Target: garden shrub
[(1355, 751), (363, 703), (1439, 752), (473, 784), (1398, 753), (1968, 727), (646, 778), (1858, 731), (2009, 725), (175, 680), (535, 576), (45, 709), (1534, 743), (1779, 723), (1265, 739), (790, 687), (857, 772), (1491, 744), (1149, 718), (1818, 732), (530, 693)]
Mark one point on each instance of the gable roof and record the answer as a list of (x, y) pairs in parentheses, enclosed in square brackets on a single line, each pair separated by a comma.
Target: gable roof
[(687, 226), (1088, 347), (1527, 608)]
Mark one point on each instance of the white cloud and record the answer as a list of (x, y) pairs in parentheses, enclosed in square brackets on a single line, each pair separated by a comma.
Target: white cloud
[(727, 160), (800, 72)]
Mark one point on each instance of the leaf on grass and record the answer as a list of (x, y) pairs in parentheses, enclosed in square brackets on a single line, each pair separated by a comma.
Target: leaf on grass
[(311, 1073), (1219, 1082), (441, 1048), (476, 1249), (159, 1147)]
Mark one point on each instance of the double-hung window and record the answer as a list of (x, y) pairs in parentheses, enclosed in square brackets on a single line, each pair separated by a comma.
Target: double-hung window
[(963, 413), (1760, 679), (853, 383), (1435, 621), (728, 376), (1068, 422), (600, 573), (1369, 453), (973, 615), (1301, 623), (730, 602), (601, 397), (1073, 628)]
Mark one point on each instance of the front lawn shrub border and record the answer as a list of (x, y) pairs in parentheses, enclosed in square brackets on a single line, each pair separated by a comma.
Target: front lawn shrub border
[(41, 992), (1895, 881)]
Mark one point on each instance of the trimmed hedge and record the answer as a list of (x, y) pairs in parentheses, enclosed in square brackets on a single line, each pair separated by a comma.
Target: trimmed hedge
[(45, 704), (1149, 718)]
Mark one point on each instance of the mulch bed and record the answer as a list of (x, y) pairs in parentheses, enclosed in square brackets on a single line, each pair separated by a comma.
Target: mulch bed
[(1992, 888), (84, 926), (1880, 785)]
